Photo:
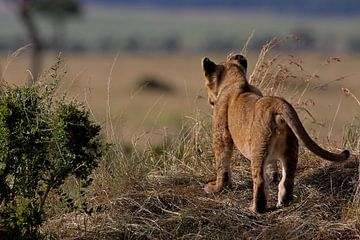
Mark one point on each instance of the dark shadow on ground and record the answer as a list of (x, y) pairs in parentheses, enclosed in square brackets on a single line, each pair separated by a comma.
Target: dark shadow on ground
[(336, 179)]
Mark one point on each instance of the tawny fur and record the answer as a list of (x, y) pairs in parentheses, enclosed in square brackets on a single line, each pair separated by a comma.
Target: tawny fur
[(264, 128)]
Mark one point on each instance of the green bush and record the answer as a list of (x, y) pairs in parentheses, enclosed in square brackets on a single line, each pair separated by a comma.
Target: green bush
[(43, 141)]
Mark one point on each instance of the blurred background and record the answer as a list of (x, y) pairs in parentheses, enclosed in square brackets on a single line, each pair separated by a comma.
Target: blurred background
[(138, 62), (171, 26)]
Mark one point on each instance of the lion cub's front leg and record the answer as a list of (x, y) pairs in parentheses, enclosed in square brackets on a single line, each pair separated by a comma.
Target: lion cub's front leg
[(223, 147)]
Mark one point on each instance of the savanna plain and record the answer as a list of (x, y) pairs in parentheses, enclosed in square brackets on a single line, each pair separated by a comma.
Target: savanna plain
[(154, 112)]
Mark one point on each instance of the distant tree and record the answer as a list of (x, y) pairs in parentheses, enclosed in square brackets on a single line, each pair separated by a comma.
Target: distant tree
[(353, 44), (132, 44), (170, 44), (306, 38), (26, 14), (224, 43), (57, 10)]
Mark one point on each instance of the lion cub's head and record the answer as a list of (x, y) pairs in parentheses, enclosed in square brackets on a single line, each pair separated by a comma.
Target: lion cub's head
[(219, 75)]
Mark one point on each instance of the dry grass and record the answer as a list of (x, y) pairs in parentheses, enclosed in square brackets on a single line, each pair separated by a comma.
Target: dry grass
[(156, 192), (158, 195)]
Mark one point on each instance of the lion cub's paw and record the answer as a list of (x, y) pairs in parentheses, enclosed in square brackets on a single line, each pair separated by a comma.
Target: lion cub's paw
[(211, 187), (284, 202), (280, 205), (257, 209)]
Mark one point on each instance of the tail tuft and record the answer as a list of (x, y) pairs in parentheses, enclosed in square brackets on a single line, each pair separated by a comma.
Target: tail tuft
[(345, 154)]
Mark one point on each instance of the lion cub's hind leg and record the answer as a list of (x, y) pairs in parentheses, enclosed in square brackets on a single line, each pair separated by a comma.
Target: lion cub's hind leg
[(289, 162), (261, 155), (260, 184)]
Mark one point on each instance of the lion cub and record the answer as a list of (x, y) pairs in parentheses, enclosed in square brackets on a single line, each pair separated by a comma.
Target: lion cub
[(263, 128)]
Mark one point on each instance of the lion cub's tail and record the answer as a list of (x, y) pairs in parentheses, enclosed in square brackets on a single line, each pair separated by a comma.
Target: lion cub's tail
[(290, 116)]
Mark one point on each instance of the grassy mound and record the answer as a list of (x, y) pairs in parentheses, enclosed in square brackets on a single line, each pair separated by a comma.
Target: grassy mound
[(158, 193)]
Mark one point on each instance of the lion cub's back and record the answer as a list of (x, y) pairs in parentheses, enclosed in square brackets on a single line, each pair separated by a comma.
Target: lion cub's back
[(240, 119)]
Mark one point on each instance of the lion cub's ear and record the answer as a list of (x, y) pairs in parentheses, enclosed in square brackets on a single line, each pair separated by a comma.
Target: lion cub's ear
[(240, 59), (209, 67)]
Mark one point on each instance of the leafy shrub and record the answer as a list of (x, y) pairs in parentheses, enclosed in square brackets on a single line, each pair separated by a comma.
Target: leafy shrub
[(43, 141)]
